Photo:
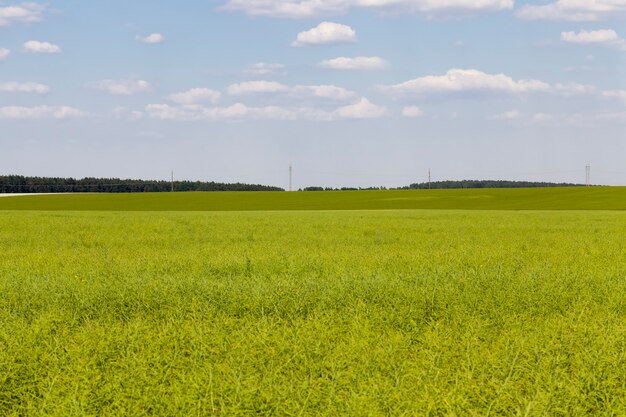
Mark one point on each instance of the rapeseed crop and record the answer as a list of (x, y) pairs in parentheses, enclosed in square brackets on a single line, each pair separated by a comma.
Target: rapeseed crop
[(567, 198), (313, 313)]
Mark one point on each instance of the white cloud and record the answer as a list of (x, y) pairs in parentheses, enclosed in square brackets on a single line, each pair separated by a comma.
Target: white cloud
[(40, 112), (314, 8), (474, 83), (152, 38), (362, 109), (253, 87), (543, 117), (412, 111), (262, 68), (508, 115), (121, 87), (607, 37), (22, 13), (466, 81), (236, 111), (326, 33), (591, 36), (325, 91), (196, 95), (619, 117), (4, 54), (574, 10), (357, 63), (124, 113), (38, 47), (569, 90), (618, 94), (30, 87), (586, 119)]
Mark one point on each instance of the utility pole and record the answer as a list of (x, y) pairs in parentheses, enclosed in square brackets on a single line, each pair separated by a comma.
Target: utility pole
[(172, 180), (588, 175), (290, 178), (429, 178)]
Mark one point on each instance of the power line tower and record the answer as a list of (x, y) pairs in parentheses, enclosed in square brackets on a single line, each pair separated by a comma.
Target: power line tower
[(588, 175), (172, 180), (290, 178), (429, 178)]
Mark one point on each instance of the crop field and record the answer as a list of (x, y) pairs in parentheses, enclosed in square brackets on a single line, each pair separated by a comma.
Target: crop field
[(304, 312), (568, 198)]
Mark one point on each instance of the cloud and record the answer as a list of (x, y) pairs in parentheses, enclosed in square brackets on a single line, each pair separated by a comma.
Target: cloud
[(574, 10), (254, 87), (326, 33), (152, 38), (236, 111), (22, 13), (38, 47), (121, 87), (361, 109), (458, 81), (124, 113), (40, 112), (196, 95), (4, 54), (618, 94), (295, 9), (607, 37), (412, 111), (592, 36), (357, 63), (548, 119), (30, 87), (324, 91), (262, 68), (569, 90), (508, 115)]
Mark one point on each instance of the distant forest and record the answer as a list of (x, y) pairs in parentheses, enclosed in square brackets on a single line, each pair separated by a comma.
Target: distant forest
[(21, 184), (440, 185)]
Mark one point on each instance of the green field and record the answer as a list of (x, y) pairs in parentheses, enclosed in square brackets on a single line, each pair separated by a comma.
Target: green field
[(314, 313), (568, 198)]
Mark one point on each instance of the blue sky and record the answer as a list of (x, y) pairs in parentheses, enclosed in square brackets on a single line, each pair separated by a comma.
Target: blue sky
[(350, 92)]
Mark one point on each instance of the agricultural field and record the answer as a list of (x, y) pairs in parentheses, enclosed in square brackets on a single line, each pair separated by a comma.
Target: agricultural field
[(567, 198), (207, 305)]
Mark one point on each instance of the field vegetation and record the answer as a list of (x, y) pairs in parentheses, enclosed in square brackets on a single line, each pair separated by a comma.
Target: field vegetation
[(310, 313), (566, 198)]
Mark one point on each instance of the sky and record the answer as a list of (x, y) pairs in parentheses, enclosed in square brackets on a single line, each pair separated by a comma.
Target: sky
[(351, 93)]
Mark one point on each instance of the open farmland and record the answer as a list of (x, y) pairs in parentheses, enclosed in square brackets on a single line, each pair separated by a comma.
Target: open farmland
[(133, 310), (568, 198)]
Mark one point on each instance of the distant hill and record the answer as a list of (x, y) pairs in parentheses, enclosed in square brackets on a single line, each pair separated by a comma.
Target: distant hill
[(442, 185), (21, 184)]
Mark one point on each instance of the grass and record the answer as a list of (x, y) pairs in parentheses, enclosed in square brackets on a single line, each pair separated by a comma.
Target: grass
[(356, 313), (568, 198)]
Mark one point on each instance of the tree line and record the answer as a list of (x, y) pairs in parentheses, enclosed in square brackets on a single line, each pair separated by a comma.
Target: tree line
[(22, 184), (440, 185)]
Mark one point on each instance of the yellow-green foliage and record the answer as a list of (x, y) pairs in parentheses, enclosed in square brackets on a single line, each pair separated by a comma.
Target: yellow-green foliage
[(313, 313), (567, 198)]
